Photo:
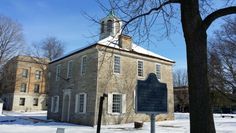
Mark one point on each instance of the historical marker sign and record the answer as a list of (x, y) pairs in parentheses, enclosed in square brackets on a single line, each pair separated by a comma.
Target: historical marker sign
[(151, 96)]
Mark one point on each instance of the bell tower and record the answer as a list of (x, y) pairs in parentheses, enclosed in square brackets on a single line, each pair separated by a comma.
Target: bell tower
[(110, 26)]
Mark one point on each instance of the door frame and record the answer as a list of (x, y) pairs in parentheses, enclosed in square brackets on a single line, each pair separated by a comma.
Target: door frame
[(65, 93)]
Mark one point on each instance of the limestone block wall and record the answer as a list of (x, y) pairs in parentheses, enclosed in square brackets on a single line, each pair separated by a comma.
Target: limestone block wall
[(28, 106), (126, 81), (77, 84)]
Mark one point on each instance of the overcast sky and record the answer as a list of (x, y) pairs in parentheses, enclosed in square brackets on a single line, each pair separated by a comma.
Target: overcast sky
[(65, 20)]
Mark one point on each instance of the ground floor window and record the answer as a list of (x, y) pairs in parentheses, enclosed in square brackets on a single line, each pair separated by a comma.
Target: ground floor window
[(116, 103), (35, 102), (80, 102), (22, 102)]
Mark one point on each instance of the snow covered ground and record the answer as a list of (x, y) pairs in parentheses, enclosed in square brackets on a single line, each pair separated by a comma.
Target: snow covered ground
[(35, 122)]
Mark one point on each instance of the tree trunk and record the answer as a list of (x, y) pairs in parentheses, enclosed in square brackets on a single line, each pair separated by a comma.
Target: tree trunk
[(201, 117)]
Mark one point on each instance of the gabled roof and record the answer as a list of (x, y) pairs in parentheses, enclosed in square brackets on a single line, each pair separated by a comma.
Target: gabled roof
[(113, 43)]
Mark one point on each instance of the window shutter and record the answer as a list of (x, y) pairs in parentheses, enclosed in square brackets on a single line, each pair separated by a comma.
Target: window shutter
[(57, 104), (76, 103), (52, 104), (85, 102), (109, 101), (123, 103), (134, 99)]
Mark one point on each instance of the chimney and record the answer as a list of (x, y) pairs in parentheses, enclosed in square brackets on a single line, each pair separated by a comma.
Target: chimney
[(125, 42)]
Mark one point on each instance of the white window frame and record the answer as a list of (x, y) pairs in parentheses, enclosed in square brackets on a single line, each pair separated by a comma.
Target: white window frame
[(142, 68), (77, 103), (110, 103), (115, 64), (58, 72), (56, 104), (158, 77), (69, 69), (83, 65)]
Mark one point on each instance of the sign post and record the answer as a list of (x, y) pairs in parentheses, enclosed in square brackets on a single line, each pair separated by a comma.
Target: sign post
[(152, 118), (151, 98)]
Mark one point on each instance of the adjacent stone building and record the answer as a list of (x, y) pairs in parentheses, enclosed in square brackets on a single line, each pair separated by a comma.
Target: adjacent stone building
[(112, 66), (23, 84), (181, 99)]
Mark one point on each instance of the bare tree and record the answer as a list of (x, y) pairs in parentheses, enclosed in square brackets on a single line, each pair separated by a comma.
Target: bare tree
[(196, 17), (222, 59), (11, 39), (52, 48), (180, 78)]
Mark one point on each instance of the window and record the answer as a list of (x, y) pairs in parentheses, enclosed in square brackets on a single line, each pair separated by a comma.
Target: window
[(109, 25), (55, 104), (25, 73), (23, 87), (36, 88), (22, 102), (116, 103), (69, 69), (35, 102), (116, 64), (83, 65), (158, 71), (81, 103), (38, 74), (140, 68), (58, 72)]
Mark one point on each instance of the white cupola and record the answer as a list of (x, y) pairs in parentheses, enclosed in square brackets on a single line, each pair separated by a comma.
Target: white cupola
[(110, 26)]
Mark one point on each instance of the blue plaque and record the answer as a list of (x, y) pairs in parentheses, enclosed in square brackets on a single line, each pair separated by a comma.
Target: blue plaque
[(151, 96)]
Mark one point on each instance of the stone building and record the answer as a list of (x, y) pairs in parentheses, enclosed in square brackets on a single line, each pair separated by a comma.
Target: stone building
[(181, 99), (112, 66), (23, 84)]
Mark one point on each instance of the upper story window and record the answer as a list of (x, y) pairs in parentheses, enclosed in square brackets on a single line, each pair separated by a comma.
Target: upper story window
[(23, 87), (83, 65), (38, 74), (36, 88), (25, 73), (81, 99), (69, 69), (158, 71), (55, 104), (109, 25), (116, 64), (102, 27), (140, 68), (58, 72)]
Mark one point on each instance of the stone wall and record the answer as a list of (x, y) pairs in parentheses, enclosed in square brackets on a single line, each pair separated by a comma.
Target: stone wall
[(126, 81), (77, 84)]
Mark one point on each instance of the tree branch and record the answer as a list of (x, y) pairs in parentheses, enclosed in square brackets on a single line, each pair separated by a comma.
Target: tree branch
[(150, 11), (217, 14)]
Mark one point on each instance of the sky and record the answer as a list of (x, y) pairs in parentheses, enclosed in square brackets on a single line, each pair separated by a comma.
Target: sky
[(65, 19)]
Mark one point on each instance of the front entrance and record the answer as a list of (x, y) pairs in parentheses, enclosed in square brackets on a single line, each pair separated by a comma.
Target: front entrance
[(66, 105)]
